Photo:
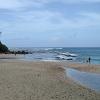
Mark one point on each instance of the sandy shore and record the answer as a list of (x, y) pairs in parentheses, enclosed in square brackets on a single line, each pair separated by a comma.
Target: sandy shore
[(20, 80), (11, 56), (82, 66)]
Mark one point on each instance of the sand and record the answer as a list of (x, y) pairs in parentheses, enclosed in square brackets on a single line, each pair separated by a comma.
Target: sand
[(11, 56), (27, 80), (93, 68)]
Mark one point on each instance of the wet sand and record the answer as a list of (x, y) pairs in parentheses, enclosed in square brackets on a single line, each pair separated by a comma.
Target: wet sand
[(11, 56), (27, 80), (93, 68)]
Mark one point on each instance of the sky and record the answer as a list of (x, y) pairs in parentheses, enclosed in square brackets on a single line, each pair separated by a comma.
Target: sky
[(50, 23)]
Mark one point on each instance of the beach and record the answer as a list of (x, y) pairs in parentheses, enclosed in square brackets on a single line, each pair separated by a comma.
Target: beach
[(40, 80), (49, 50)]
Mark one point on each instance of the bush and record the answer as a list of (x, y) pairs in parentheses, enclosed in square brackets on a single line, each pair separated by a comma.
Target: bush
[(3, 48)]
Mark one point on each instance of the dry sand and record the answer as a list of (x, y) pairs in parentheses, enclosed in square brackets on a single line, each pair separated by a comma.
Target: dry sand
[(20, 80)]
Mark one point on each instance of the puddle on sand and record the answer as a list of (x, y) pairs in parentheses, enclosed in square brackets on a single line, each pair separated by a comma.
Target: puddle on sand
[(90, 80)]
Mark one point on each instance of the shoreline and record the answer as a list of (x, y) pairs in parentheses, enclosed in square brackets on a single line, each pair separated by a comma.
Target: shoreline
[(93, 68)]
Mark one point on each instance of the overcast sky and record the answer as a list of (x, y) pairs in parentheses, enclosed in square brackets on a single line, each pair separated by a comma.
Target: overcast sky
[(50, 23)]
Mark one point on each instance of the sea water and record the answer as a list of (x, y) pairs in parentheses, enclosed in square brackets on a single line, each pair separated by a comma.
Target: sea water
[(49, 53)]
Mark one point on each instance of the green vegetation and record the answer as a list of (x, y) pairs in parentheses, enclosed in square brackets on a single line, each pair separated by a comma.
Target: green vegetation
[(3, 48)]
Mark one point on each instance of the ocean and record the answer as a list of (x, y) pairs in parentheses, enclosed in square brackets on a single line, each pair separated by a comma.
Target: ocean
[(52, 53)]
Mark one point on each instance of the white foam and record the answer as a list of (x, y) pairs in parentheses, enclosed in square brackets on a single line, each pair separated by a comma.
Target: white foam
[(50, 60)]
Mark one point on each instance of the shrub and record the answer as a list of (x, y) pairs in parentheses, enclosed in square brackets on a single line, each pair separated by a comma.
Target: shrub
[(3, 48)]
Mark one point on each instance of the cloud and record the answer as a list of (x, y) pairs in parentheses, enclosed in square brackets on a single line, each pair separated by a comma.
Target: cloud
[(9, 4), (43, 20), (56, 39), (32, 21), (22, 4), (18, 4), (81, 1), (90, 18), (39, 20), (66, 1), (91, 15), (48, 21)]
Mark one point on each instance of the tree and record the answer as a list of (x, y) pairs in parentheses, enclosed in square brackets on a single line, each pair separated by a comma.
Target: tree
[(3, 48)]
